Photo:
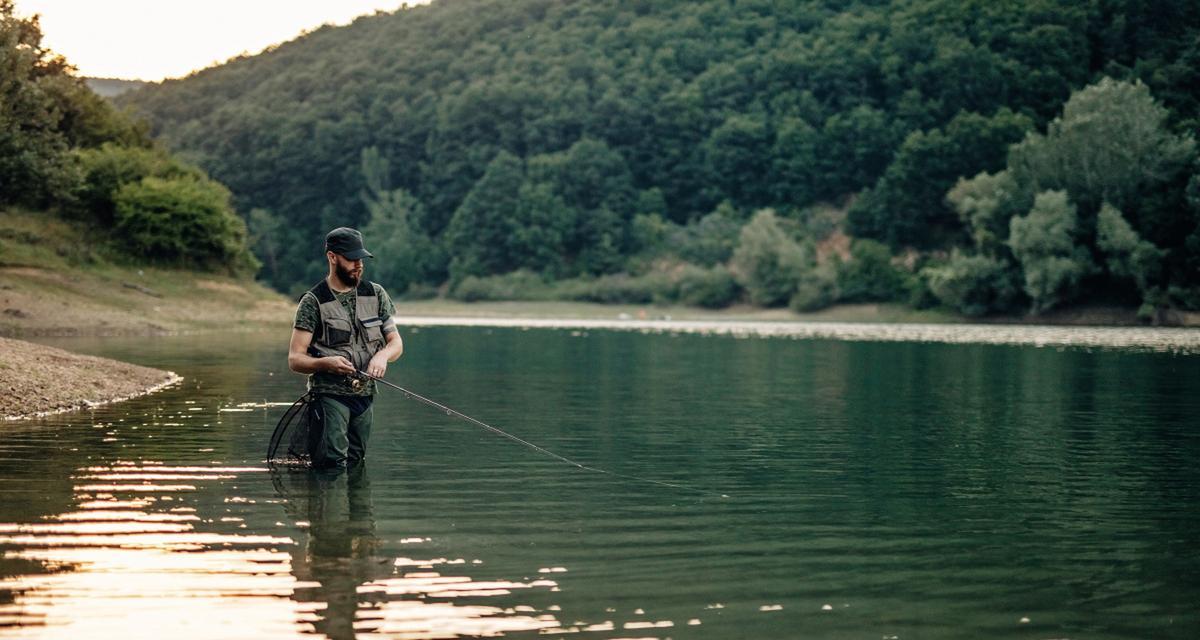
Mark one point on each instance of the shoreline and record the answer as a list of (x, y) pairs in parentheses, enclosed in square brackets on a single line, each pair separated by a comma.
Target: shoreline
[(1183, 341), (62, 381)]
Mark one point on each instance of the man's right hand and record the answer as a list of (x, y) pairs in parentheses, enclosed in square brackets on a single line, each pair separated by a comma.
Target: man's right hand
[(338, 364)]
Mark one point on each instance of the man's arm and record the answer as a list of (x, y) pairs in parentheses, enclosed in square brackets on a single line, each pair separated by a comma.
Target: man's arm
[(300, 362), (390, 353)]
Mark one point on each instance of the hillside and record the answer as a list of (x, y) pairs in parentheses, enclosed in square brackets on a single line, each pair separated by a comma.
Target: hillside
[(57, 279), (112, 87), (475, 139)]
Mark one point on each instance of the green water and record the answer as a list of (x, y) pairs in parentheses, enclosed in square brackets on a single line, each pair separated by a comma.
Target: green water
[(875, 491)]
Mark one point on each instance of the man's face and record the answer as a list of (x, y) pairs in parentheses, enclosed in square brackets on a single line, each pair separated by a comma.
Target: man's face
[(348, 271)]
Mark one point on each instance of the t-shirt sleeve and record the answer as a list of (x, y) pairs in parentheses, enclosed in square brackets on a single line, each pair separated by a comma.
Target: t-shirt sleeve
[(386, 309), (307, 314)]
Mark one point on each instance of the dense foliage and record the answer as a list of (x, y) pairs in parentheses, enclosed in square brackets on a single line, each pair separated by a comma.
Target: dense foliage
[(64, 147), (507, 145)]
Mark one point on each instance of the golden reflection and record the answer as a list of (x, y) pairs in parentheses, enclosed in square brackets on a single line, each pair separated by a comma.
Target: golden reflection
[(141, 549), (369, 594), (112, 567)]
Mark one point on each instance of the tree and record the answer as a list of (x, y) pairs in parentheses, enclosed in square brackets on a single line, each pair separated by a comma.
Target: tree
[(906, 206), (1110, 142), (1127, 255), (985, 204), (768, 263), (974, 285), (1044, 242), (184, 221), (869, 275), (477, 235), (33, 147)]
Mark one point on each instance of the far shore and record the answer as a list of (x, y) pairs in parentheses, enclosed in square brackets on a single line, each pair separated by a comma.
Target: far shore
[(1173, 340)]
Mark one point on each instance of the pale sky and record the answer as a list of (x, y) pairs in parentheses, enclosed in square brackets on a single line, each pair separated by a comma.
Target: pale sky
[(156, 39)]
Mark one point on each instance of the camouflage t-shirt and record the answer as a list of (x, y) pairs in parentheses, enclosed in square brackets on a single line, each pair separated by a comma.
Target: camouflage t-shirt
[(308, 316)]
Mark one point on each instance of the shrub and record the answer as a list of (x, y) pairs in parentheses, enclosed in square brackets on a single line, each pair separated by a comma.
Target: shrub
[(712, 288), (516, 285), (107, 168), (768, 262), (655, 286), (1044, 243), (973, 284), (869, 275), (185, 220), (708, 241), (815, 290)]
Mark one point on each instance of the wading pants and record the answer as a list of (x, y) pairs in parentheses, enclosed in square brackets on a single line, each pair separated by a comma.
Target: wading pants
[(343, 441)]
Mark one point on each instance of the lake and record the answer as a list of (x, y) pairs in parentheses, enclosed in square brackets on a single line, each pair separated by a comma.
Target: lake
[(875, 490)]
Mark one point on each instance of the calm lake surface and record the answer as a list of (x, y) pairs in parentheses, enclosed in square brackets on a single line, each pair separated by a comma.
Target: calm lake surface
[(876, 490)]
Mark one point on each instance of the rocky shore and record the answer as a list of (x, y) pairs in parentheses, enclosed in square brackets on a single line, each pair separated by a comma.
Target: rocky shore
[(1171, 340), (38, 380)]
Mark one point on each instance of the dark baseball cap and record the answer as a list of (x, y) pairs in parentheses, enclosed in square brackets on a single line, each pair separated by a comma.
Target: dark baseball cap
[(347, 243)]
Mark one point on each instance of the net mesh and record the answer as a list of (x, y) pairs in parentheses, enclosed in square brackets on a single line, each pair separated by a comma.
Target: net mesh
[(296, 433)]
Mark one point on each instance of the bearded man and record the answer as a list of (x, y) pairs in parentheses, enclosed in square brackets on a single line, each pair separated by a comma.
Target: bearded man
[(343, 329)]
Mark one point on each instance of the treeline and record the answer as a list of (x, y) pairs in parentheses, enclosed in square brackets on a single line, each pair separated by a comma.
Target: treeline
[(65, 150), (992, 157)]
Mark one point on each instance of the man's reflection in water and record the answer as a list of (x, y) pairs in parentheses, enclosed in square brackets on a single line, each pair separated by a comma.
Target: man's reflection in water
[(341, 550)]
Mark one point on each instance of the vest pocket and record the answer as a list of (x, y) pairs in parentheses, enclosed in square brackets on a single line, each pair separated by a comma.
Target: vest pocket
[(337, 331), (374, 329)]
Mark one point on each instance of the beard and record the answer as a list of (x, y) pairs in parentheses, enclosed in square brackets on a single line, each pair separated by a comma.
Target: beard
[(348, 276)]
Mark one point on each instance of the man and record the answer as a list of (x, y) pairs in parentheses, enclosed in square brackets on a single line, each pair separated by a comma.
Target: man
[(344, 326)]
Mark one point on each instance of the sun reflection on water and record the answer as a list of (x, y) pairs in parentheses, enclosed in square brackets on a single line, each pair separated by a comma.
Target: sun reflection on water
[(139, 554)]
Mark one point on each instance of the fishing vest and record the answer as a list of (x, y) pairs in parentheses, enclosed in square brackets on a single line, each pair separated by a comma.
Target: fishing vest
[(337, 335)]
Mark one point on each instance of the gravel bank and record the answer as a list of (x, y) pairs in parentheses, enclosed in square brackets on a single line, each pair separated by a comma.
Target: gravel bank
[(1173, 340), (38, 380)]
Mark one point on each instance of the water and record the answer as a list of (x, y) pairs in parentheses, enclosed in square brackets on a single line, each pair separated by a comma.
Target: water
[(876, 490)]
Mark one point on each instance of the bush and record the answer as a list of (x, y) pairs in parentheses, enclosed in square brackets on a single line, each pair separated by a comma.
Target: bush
[(708, 241), (1044, 242), (516, 285), (815, 290), (653, 287), (973, 284), (107, 168), (712, 288), (870, 276), (186, 221), (768, 262)]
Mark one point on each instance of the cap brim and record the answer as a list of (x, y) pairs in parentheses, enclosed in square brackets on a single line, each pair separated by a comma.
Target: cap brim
[(358, 254)]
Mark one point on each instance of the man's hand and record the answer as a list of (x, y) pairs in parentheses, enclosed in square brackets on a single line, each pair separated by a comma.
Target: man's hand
[(378, 365), (338, 364)]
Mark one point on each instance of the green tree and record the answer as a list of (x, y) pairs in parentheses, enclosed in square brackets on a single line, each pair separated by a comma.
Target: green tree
[(869, 275), (1126, 254), (1046, 245), (768, 262), (1110, 142), (906, 206), (34, 164), (184, 221), (985, 204), (477, 235), (974, 285), (108, 167)]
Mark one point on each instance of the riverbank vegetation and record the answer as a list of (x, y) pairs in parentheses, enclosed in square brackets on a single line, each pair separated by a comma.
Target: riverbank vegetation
[(991, 158), (69, 155)]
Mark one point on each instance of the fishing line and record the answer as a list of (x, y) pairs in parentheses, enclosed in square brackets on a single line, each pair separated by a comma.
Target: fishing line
[(500, 432)]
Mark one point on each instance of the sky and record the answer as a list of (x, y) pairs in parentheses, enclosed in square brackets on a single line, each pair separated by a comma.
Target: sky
[(156, 39)]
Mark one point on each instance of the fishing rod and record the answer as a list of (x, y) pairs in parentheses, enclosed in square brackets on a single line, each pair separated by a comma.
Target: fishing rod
[(500, 432)]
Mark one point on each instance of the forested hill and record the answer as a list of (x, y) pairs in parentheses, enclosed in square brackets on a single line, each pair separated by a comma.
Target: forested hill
[(558, 139)]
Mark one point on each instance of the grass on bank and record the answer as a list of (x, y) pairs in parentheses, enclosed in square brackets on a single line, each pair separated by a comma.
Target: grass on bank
[(57, 277)]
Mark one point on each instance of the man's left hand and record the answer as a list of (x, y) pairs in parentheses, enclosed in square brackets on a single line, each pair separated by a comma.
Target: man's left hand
[(377, 367)]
